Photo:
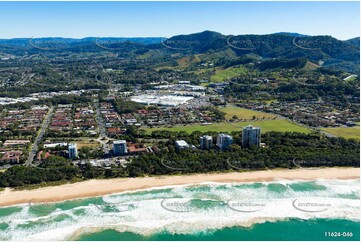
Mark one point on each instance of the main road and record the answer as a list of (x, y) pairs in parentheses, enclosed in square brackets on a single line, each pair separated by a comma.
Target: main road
[(103, 138), (34, 146)]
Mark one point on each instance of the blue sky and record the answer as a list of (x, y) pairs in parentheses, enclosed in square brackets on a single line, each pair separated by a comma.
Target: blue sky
[(165, 19)]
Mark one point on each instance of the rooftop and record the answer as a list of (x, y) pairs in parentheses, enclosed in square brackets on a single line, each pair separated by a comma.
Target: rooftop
[(224, 135), (251, 127), (119, 142), (181, 143), (163, 100)]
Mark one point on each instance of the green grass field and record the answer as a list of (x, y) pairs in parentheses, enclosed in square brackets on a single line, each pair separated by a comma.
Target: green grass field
[(224, 74), (243, 113), (348, 133), (279, 125)]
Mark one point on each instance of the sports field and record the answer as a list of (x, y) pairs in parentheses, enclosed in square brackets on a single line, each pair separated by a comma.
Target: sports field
[(279, 125), (243, 113)]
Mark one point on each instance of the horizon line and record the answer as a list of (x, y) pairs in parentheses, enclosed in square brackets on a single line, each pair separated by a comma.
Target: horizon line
[(68, 37)]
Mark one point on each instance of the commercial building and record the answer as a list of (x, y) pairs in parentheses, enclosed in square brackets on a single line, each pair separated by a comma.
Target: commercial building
[(120, 147), (251, 136), (206, 142), (224, 141), (161, 100), (73, 151), (181, 144)]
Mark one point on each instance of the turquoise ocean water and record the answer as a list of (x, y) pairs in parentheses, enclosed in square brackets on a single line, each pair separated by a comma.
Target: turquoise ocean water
[(279, 210)]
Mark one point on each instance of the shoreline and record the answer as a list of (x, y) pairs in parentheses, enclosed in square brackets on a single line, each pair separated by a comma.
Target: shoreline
[(101, 187)]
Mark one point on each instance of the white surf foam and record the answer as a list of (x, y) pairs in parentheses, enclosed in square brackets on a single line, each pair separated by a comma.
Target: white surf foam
[(147, 215)]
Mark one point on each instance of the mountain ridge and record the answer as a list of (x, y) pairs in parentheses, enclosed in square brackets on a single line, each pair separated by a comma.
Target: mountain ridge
[(339, 54)]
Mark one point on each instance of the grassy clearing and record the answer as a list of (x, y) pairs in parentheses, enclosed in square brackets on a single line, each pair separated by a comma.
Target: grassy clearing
[(310, 66), (146, 55), (81, 141), (279, 125), (243, 113), (347, 132), (224, 74), (185, 62), (87, 143)]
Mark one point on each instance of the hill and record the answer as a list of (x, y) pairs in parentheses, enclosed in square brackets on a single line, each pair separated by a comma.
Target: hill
[(342, 55)]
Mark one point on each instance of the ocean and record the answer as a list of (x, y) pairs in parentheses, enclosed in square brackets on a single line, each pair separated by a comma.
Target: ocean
[(324, 209)]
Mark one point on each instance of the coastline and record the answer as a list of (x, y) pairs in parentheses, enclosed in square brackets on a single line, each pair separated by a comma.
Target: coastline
[(100, 187)]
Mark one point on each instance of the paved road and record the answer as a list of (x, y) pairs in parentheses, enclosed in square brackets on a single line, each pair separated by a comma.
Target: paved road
[(44, 126), (101, 127), (24, 80), (327, 134), (313, 128)]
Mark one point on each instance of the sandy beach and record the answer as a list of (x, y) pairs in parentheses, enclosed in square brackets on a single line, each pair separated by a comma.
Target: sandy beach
[(98, 187)]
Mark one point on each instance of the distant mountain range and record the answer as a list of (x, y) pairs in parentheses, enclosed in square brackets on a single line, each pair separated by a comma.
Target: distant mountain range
[(343, 55), (24, 42)]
